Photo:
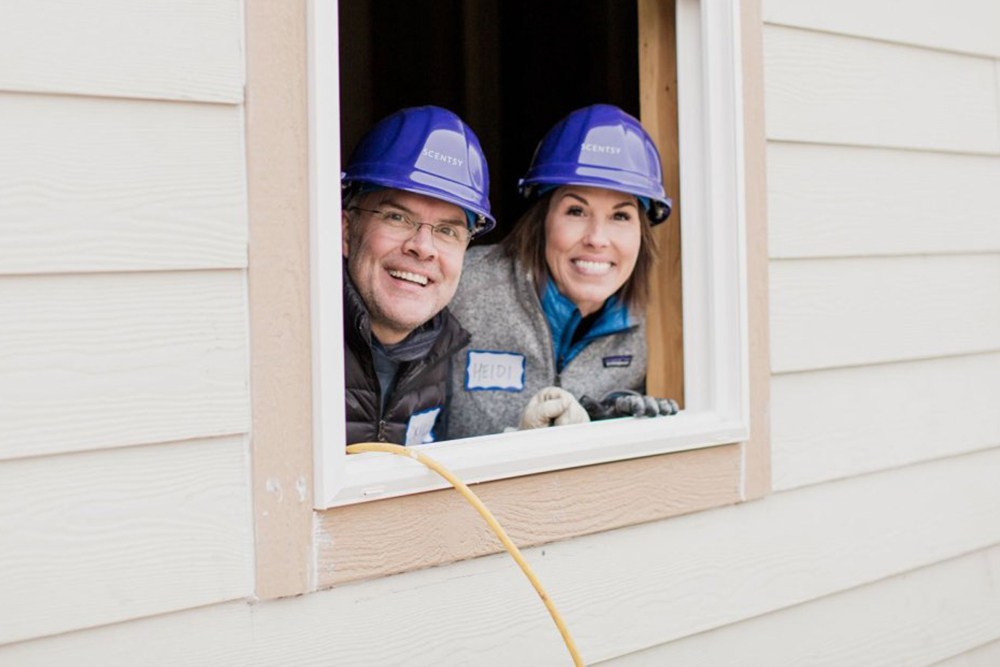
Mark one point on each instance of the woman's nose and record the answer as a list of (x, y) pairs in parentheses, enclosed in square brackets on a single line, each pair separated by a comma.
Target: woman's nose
[(596, 235)]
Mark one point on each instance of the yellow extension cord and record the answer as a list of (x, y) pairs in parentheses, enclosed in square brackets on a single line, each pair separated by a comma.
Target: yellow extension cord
[(484, 512)]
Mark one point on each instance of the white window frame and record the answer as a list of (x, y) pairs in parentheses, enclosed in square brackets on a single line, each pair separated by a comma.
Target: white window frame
[(713, 247)]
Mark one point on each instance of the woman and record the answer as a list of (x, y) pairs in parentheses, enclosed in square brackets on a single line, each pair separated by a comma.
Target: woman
[(557, 311)]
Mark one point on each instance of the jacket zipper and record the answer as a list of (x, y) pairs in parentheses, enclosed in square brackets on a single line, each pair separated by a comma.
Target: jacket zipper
[(402, 383)]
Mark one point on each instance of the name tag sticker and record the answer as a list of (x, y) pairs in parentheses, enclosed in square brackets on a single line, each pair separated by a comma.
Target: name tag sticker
[(620, 361), (420, 428), (494, 371)]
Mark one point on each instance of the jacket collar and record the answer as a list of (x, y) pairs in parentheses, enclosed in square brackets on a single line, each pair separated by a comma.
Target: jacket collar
[(564, 317)]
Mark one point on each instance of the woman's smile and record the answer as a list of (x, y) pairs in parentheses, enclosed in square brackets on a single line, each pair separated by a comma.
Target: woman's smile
[(592, 267)]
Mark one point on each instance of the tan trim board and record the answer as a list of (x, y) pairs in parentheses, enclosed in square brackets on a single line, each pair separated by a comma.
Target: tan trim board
[(757, 472), (390, 536), (277, 179)]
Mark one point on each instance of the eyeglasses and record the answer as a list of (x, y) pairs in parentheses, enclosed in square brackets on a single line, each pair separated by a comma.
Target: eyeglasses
[(405, 227)]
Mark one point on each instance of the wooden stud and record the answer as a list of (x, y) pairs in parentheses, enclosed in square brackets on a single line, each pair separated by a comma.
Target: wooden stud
[(658, 111)]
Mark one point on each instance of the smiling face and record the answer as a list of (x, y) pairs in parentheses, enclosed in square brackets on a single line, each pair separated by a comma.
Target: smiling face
[(404, 277), (592, 241)]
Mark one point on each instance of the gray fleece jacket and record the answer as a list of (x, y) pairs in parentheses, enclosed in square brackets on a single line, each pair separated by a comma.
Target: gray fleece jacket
[(498, 304)]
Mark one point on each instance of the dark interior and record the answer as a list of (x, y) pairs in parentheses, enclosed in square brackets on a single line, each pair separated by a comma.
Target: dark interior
[(510, 69)]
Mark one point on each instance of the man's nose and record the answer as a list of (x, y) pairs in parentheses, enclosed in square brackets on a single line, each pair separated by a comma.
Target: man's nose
[(421, 243)]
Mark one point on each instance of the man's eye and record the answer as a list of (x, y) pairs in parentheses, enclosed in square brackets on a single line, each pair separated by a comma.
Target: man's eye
[(394, 216), (449, 232)]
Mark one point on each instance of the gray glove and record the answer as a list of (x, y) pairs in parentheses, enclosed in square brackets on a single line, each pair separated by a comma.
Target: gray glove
[(552, 406), (625, 403)]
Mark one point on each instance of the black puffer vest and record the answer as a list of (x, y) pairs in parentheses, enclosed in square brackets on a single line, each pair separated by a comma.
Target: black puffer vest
[(421, 385)]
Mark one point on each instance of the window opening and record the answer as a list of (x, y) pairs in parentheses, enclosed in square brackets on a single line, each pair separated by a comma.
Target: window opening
[(459, 50)]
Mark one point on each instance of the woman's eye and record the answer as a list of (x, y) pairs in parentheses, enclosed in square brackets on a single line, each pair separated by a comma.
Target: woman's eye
[(623, 216), (574, 210)]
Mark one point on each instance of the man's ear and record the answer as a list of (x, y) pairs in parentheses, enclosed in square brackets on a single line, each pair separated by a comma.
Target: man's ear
[(345, 231)]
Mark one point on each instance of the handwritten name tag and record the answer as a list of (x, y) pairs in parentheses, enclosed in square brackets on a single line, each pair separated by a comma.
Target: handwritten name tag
[(494, 371), (420, 428)]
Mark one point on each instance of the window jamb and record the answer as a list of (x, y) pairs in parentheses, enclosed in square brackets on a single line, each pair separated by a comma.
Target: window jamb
[(715, 289)]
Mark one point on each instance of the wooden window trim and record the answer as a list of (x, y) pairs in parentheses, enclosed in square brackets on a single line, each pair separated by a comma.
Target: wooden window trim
[(297, 549)]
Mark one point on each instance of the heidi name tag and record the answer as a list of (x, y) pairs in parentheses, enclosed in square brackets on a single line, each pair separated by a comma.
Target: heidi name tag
[(494, 371), (420, 428)]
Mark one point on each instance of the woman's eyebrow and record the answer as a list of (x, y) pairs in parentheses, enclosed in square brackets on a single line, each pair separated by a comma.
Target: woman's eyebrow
[(627, 202), (577, 197)]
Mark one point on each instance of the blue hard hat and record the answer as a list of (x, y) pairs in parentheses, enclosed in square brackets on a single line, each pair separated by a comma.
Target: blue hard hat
[(428, 151), (604, 147)]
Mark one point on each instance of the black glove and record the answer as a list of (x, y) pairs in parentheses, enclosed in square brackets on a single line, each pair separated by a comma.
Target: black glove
[(623, 403)]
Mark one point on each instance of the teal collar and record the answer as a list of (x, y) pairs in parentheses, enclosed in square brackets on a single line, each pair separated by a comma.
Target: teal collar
[(564, 317)]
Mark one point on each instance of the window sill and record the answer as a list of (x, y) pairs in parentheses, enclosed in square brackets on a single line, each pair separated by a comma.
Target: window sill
[(374, 476)]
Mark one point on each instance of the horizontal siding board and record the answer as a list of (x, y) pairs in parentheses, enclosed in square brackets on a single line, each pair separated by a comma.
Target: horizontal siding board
[(120, 185), (829, 201), (844, 312), (824, 88), (168, 49), (103, 360), (838, 423), (620, 591), (911, 620), (970, 26), (101, 537), (987, 655)]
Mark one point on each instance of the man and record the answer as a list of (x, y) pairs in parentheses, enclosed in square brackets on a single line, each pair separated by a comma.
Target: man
[(416, 190)]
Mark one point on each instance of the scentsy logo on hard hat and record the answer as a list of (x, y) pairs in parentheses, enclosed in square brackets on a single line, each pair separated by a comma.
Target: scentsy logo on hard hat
[(442, 157), (601, 148)]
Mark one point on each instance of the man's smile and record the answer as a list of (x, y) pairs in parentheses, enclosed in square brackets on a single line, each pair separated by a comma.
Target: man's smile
[(409, 277)]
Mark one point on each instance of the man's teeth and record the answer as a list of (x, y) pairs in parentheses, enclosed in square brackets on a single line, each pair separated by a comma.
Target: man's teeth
[(406, 275), (592, 267)]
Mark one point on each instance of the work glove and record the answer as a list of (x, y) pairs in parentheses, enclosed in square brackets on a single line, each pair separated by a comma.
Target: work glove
[(552, 406), (624, 403)]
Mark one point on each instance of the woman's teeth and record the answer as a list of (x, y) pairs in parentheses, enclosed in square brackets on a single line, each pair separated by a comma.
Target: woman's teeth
[(592, 268), (410, 277)]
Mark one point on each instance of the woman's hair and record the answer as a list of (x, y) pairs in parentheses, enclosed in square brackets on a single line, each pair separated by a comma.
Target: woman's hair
[(526, 243)]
